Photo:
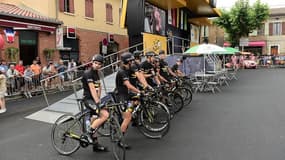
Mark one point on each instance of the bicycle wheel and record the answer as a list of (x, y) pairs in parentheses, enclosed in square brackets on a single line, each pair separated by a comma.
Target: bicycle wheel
[(176, 102), (154, 117), (186, 94), (119, 153), (65, 134)]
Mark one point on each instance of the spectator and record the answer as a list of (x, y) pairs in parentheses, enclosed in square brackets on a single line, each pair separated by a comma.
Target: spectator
[(3, 89), (4, 65), (28, 76), (49, 71), (38, 61), (20, 68), (12, 75), (61, 68), (72, 70), (36, 68)]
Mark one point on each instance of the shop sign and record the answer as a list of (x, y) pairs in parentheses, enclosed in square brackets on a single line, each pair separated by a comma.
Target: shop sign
[(59, 37), (71, 32)]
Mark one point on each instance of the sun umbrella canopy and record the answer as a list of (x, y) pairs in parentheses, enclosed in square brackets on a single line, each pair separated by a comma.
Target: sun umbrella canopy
[(206, 49), (231, 50)]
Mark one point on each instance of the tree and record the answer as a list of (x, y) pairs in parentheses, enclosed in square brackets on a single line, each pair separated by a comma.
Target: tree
[(242, 19)]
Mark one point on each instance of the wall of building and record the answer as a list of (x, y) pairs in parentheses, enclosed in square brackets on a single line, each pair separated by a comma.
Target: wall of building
[(90, 42), (98, 23)]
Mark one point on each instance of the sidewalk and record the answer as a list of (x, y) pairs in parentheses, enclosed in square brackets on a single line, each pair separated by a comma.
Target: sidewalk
[(68, 104)]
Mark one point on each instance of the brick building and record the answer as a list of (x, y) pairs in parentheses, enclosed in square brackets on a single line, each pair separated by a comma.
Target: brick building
[(26, 31)]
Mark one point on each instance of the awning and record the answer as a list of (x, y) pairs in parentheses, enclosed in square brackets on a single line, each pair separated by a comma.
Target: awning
[(257, 43), (23, 25), (252, 43)]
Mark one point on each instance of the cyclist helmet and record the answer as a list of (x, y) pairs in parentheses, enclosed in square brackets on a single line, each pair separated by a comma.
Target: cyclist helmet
[(156, 59), (127, 57), (150, 53), (137, 54), (98, 58)]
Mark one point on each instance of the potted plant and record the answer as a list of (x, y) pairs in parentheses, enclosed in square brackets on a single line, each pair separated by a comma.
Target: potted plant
[(12, 53), (48, 52)]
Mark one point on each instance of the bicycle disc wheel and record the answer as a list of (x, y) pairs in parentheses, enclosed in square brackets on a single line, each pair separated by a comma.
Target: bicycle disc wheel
[(119, 153), (154, 117), (65, 134)]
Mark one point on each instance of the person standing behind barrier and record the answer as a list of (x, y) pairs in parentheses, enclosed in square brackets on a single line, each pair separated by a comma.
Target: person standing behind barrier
[(28, 75), (72, 69), (12, 75), (36, 68), (61, 68), (20, 68), (4, 65), (3, 89)]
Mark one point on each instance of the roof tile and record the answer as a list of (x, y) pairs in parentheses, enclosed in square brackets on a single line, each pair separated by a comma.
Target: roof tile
[(13, 10)]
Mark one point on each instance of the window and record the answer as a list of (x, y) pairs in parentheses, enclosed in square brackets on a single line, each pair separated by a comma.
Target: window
[(274, 50), (109, 13), (89, 8), (277, 28), (66, 6)]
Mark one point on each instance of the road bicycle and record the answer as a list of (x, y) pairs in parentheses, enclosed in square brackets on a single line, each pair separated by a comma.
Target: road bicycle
[(69, 132)]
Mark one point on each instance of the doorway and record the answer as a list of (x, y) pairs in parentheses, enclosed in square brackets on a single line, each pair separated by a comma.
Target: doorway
[(28, 46)]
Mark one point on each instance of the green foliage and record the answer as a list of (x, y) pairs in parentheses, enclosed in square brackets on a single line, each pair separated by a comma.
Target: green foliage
[(49, 52), (242, 19), (12, 53)]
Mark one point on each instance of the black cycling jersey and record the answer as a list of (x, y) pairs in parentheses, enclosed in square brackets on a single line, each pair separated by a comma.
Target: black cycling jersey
[(163, 69), (148, 68), (121, 77), (133, 77), (175, 68), (90, 76)]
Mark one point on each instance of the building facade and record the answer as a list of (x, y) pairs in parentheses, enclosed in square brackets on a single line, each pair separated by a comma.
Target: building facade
[(270, 38), (25, 33), (82, 28)]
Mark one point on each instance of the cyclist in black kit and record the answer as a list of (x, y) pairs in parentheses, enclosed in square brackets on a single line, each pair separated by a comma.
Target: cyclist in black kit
[(91, 93), (149, 70), (136, 75), (175, 68), (126, 90), (165, 71)]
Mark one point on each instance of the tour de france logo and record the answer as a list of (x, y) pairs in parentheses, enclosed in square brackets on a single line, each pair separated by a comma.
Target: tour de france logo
[(156, 45)]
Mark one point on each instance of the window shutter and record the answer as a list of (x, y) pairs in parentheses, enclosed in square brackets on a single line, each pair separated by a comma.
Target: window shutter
[(61, 5), (109, 15), (71, 6), (91, 14), (270, 29), (86, 8)]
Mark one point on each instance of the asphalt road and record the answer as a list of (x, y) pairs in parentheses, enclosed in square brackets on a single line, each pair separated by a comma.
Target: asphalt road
[(246, 121)]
